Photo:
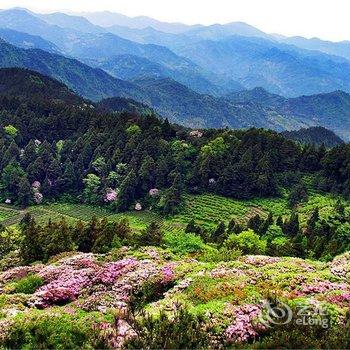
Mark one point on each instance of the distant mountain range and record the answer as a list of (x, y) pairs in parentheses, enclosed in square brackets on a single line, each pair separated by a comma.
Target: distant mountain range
[(231, 75), (88, 82), (213, 59)]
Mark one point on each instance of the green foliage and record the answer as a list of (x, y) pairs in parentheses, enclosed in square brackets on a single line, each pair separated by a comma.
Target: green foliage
[(218, 255), (300, 336), (299, 194), (43, 330), (152, 236), (11, 131), (179, 331), (133, 130), (92, 187), (214, 148), (247, 241), (28, 284), (184, 243), (10, 239)]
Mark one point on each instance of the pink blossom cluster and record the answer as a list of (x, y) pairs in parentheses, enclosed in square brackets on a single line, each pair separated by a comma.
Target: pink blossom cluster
[(132, 277), (38, 197), (64, 289), (66, 281), (17, 273), (168, 274), (103, 285), (138, 207), (111, 271), (322, 287), (196, 133), (36, 186), (340, 266), (212, 181), (243, 329), (340, 299), (223, 271), (153, 192), (261, 260), (111, 195), (115, 335)]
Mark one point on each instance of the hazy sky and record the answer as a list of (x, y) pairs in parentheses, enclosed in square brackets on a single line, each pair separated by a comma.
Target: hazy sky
[(327, 19)]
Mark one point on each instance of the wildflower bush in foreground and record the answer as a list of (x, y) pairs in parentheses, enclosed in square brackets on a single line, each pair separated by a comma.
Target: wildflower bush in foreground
[(151, 298)]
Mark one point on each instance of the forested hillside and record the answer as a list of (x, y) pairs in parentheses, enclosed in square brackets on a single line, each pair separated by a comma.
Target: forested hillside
[(314, 135)]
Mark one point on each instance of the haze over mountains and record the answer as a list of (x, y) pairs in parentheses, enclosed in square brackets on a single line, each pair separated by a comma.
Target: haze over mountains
[(231, 75)]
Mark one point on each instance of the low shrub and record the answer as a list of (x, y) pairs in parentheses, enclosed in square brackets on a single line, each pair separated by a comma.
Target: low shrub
[(28, 284), (41, 330), (179, 331), (184, 243)]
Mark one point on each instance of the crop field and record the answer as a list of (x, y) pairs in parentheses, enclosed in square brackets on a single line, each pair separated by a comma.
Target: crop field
[(206, 210)]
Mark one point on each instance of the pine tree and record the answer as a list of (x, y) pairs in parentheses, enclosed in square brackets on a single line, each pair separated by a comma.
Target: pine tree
[(314, 218), (68, 179), (87, 235), (231, 226), (191, 227), (29, 154), (31, 245), (279, 221), (173, 198), (219, 235), (127, 191), (267, 223), (152, 236), (255, 223), (291, 228), (24, 192)]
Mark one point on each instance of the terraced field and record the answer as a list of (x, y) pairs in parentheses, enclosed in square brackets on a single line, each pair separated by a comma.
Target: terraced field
[(207, 210), (7, 215)]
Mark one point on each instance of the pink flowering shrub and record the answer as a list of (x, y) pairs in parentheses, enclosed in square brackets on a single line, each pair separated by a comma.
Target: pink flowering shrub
[(17, 273), (111, 195), (243, 328), (115, 335), (196, 133), (53, 296), (168, 274), (340, 299), (103, 285), (262, 260), (111, 271), (322, 287), (153, 192), (36, 186), (61, 290), (38, 197), (340, 266)]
